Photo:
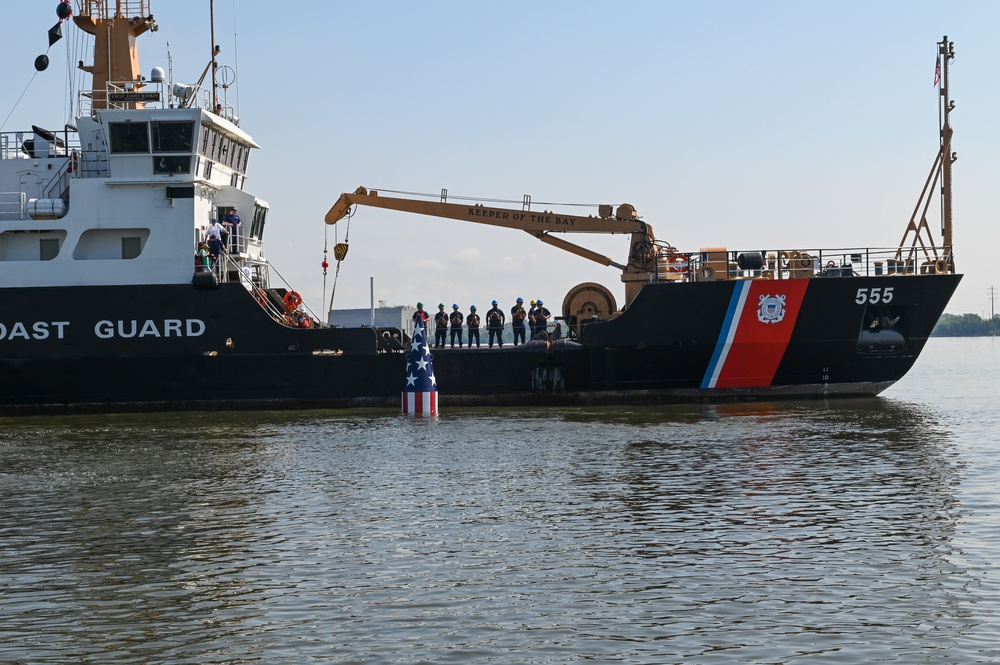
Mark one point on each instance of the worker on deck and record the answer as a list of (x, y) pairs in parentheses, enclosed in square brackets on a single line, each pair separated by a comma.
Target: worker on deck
[(204, 260), (541, 318), (495, 319), (231, 223), (215, 245), (473, 322), (456, 320), (440, 327), (517, 318), (420, 314)]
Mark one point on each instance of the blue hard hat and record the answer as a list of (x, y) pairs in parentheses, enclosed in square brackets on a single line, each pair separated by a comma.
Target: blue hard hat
[(494, 302), (538, 302), (454, 306), (520, 300), (472, 306)]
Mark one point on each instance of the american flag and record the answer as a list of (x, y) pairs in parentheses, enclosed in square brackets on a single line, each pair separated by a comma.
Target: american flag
[(937, 71), (420, 393)]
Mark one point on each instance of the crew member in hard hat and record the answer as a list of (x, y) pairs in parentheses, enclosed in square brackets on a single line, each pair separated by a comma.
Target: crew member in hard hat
[(495, 319), (420, 314), (456, 320), (440, 327), (472, 320), (541, 318), (532, 329), (517, 317)]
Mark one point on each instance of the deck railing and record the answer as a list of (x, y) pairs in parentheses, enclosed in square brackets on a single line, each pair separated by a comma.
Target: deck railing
[(108, 9), (714, 264), (160, 95), (31, 145)]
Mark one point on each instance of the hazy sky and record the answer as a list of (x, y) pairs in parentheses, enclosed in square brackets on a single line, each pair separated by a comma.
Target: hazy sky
[(738, 124)]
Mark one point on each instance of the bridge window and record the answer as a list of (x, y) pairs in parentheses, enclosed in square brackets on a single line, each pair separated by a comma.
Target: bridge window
[(224, 150), (171, 164), (173, 136), (257, 225), (129, 136)]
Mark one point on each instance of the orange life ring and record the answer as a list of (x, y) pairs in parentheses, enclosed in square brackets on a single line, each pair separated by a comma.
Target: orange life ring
[(292, 300), (680, 263)]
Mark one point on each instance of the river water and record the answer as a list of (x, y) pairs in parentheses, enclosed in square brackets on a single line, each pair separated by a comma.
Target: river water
[(851, 531)]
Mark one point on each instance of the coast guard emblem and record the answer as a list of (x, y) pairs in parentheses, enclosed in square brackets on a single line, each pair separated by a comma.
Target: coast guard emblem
[(771, 308)]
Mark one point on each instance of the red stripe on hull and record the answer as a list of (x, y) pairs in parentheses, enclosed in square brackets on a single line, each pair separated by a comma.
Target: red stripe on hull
[(763, 332)]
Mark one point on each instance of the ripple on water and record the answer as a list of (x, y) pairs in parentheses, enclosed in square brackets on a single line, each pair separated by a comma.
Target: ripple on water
[(846, 532)]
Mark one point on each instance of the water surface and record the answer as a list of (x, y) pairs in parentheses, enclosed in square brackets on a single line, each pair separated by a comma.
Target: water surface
[(851, 531)]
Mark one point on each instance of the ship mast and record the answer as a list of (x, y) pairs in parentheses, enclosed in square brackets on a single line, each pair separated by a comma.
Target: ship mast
[(115, 25), (215, 64), (936, 259), (946, 53)]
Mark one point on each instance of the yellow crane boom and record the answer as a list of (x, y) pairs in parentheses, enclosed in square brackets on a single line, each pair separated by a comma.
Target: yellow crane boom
[(641, 267)]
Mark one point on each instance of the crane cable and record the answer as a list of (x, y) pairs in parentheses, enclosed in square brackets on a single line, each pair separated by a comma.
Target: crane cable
[(325, 264), (339, 253)]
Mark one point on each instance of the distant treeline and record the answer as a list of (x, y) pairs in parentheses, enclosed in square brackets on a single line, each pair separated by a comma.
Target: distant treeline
[(966, 325)]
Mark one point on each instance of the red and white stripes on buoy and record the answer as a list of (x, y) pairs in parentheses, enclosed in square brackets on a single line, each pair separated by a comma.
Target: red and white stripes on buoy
[(420, 391)]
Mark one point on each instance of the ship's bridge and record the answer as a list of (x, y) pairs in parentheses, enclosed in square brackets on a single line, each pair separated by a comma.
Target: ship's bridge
[(179, 142)]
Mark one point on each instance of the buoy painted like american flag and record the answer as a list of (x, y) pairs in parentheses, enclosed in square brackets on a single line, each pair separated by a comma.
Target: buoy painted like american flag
[(420, 393)]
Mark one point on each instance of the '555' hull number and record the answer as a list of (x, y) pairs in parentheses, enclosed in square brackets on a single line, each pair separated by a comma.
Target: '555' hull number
[(874, 295)]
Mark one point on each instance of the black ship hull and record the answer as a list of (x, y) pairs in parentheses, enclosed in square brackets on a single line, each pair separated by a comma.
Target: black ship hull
[(169, 347)]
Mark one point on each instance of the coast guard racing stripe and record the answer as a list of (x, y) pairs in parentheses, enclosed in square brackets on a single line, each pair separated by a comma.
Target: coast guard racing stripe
[(755, 334)]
